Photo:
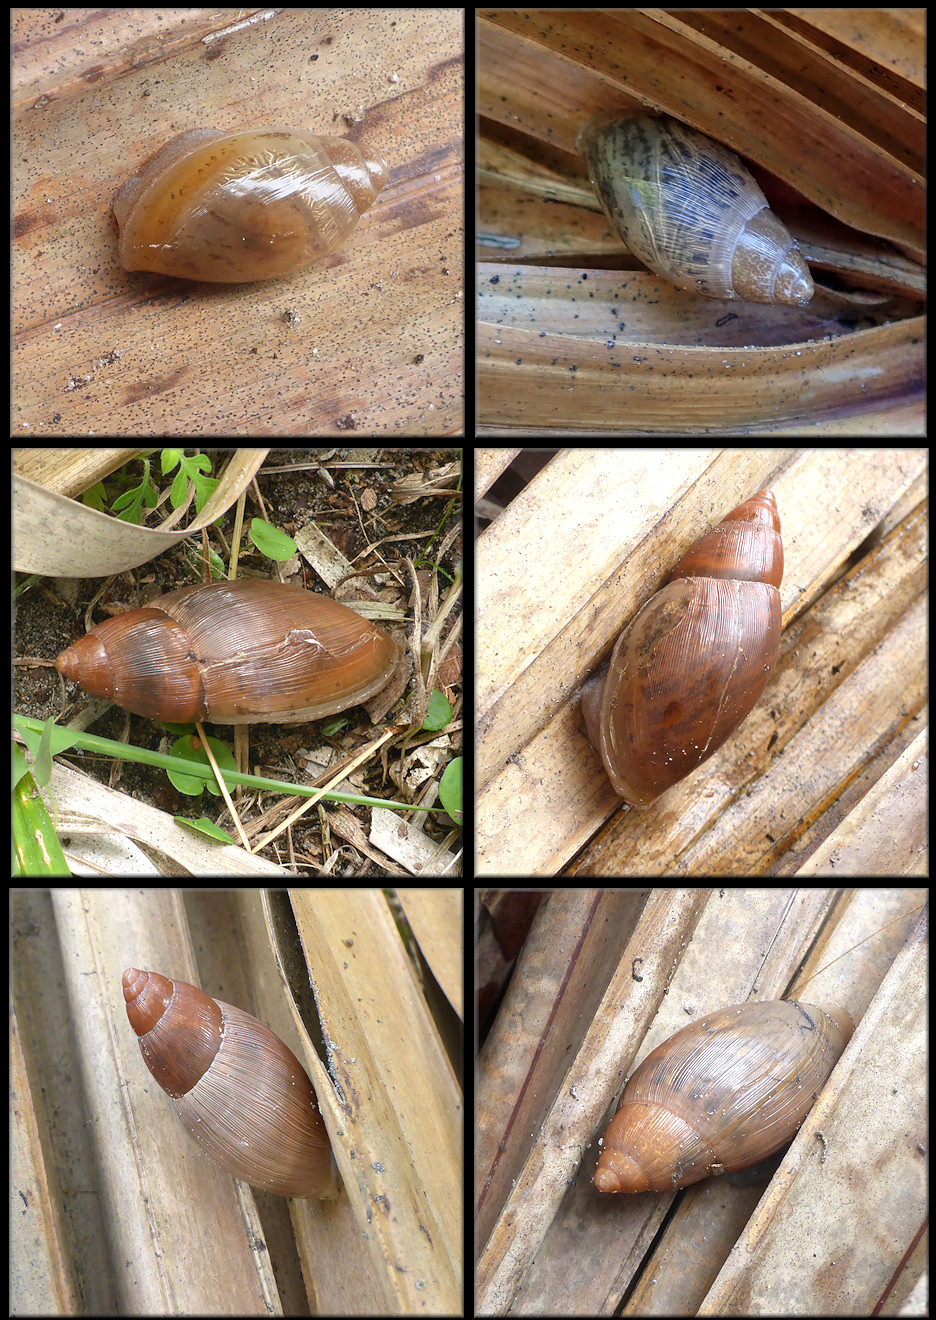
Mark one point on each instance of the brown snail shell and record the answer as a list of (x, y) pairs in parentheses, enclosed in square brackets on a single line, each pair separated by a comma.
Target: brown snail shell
[(245, 206), (690, 210), (694, 660), (238, 1089), (721, 1094), (241, 652)]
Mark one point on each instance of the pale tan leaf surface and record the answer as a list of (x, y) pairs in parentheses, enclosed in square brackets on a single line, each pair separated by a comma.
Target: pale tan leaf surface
[(398, 1105), (834, 135), (843, 704), (603, 980), (368, 341)]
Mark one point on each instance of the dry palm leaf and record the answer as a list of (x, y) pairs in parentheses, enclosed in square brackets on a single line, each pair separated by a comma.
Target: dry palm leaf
[(600, 527), (836, 140)]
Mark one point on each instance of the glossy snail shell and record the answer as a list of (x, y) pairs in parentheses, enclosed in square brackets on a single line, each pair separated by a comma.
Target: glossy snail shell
[(689, 209), (244, 206), (238, 1089), (694, 660), (241, 652), (720, 1094)]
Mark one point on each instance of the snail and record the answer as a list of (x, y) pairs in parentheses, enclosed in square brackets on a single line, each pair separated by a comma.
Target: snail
[(695, 658), (245, 206), (721, 1094), (238, 1089), (240, 652), (690, 210)]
